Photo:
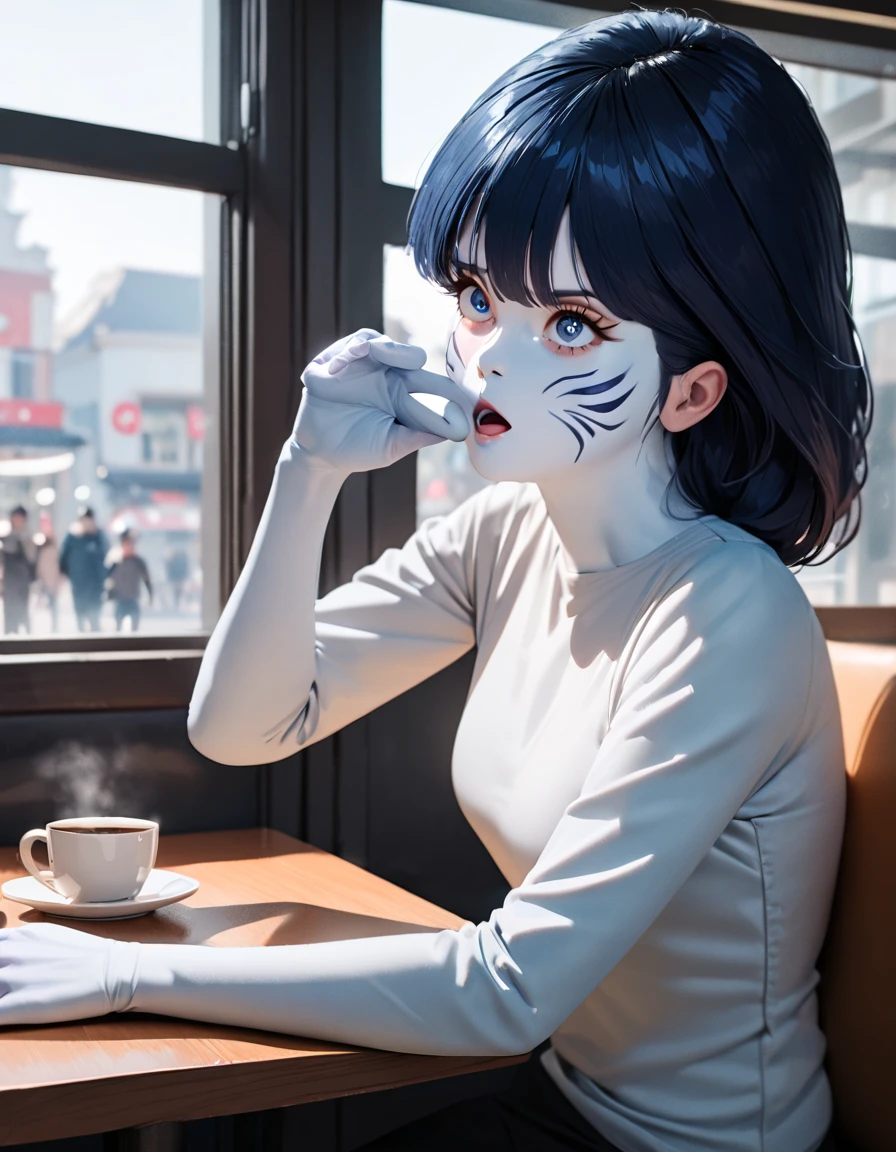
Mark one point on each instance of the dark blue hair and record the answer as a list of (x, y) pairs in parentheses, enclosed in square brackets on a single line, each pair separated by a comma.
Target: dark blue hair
[(704, 204)]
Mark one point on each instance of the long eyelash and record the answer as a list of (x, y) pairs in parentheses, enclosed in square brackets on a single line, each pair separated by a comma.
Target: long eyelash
[(585, 313), (457, 288)]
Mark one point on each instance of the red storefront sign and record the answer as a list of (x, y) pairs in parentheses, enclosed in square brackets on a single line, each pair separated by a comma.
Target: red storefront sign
[(30, 414), (126, 418), (195, 421)]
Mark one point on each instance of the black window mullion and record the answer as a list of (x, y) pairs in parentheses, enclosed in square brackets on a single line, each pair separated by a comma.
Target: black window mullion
[(396, 203), (873, 26), (57, 145)]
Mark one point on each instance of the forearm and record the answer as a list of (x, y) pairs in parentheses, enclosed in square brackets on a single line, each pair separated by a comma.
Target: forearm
[(428, 993), (259, 664)]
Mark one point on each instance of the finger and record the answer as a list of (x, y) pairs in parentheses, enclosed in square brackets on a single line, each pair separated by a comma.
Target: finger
[(352, 352), (413, 412), (457, 425), (332, 350), (418, 416), (421, 380), (395, 355), (401, 441), (460, 425)]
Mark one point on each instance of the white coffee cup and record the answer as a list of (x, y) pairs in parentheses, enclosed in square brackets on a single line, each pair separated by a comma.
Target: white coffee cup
[(94, 858)]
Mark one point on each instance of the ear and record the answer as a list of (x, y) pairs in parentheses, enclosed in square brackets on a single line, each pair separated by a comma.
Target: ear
[(693, 395)]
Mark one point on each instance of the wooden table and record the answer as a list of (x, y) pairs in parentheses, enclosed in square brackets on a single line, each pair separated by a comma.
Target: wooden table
[(257, 887)]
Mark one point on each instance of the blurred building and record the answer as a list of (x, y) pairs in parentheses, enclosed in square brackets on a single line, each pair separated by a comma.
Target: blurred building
[(858, 114), (36, 452), (129, 371)]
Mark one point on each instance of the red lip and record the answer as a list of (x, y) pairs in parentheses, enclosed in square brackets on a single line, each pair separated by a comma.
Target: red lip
[(483, 405)]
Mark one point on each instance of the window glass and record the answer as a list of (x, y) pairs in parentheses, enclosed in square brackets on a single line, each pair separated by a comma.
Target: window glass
[(126, 63), (104, 404), (435, 63), (858, 114), (416, 312)]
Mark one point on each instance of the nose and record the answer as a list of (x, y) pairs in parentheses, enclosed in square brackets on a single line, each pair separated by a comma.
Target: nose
[(491, 359)]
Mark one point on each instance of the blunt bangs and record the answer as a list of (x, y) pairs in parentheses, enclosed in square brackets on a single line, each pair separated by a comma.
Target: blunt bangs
[(704, 205)]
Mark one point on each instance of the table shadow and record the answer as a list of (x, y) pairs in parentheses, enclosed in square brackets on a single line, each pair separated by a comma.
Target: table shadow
[(296, 923), (249, 844)]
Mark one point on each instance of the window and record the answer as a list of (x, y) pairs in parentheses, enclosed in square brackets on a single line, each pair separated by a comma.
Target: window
[(113, 286), (856, 104), (125, 63), (864, 150), (114, 383)]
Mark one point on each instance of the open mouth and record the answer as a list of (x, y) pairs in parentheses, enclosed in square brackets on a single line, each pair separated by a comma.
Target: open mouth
[(488, 420)]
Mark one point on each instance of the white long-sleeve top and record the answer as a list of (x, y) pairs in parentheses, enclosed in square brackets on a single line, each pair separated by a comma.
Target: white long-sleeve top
[(653, 756)]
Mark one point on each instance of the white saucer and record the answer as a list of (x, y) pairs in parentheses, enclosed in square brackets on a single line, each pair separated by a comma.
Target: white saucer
[(161, 888)]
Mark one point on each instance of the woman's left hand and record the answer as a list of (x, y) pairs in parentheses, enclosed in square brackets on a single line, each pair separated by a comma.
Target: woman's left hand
[(49, 974)]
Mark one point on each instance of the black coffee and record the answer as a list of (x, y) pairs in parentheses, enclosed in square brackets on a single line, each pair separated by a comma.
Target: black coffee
[(103, 831)]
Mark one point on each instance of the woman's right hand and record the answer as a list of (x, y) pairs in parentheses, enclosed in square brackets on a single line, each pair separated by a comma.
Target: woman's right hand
[(357, 411)]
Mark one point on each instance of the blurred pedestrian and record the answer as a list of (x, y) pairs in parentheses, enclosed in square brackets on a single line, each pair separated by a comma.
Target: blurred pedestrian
[(126, 575), (49, 576), (83, 560), (19, 554), (177, 569)]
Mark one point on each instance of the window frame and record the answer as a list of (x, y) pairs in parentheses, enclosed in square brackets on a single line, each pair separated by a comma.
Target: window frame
[(101, 672)]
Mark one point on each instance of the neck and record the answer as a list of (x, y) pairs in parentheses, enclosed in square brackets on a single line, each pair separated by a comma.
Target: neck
[(613, 512)]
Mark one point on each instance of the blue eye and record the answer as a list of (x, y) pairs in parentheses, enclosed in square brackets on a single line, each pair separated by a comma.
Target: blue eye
[(572, 331), (569, 327), (473, 303)]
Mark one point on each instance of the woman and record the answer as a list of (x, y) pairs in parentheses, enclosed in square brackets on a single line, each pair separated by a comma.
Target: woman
[(641, 219), (49, 576)]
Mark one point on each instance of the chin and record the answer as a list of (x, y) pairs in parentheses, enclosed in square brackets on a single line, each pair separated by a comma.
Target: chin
[(493, 464)]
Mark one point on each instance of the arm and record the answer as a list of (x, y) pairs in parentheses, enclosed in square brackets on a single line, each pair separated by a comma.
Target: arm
[(673, 769), (146, 579), (273, 667), (64, 555)]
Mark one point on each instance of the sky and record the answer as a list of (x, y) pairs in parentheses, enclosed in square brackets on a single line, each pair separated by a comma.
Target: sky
[(127, 63)]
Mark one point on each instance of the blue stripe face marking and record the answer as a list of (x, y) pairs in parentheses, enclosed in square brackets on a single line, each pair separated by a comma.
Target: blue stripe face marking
[(574, 432), (609, 405), (581, 414), (607, 427), (560, 379), (450, 368), (579, 420), (595, 389)]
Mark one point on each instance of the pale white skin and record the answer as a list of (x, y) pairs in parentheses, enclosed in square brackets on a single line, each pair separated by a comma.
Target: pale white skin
[(607, 505), (358, 412)]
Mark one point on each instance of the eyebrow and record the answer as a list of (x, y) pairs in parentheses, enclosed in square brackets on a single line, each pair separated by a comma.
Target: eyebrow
[(461, 266)]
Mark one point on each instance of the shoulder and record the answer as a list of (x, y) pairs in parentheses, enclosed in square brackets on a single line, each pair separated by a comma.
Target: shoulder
[(731, 593), (737, 571)]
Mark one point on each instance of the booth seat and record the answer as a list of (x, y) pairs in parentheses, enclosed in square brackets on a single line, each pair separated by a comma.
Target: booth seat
[(858, 963)]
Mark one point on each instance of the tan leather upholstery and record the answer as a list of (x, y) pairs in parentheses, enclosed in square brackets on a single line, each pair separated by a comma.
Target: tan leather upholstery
[(858, 963)]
